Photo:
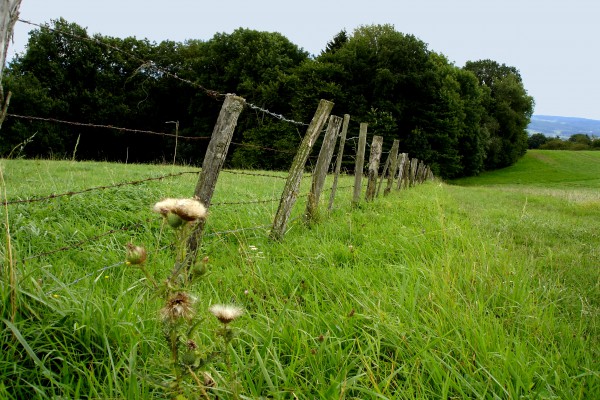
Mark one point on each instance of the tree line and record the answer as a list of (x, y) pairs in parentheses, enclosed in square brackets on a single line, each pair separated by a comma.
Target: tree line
[(578, 141), (458, 120)]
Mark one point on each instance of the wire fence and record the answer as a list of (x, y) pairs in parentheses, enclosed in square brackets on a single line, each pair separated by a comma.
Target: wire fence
[(117, 232)]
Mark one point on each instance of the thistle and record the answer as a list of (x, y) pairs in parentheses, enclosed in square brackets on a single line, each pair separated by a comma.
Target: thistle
[(136, 255), (178, 307), (226, 313), (179, 211)]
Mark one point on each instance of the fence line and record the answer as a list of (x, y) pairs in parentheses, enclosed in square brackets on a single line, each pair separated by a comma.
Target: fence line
[(72, 193), (417, 170), (117, 128)]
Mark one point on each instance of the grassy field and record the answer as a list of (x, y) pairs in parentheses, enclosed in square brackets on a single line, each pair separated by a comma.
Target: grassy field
[(486, 287)]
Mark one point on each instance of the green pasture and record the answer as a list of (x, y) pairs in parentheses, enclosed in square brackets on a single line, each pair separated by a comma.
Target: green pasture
[(485, 287)]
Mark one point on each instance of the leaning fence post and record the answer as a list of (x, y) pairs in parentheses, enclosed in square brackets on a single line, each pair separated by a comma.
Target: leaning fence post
[(393, 167), (290, 191), (338, 163), (320, 173), (374, 157), (360, 163), (212, 164)]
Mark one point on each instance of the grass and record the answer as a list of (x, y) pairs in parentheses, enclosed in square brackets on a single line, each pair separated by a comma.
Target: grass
[(485, 288)]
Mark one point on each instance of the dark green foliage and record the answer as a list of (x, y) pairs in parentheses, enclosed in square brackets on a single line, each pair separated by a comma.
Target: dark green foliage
[(459, 121), (579, 141), (508, 111), (536, 140)]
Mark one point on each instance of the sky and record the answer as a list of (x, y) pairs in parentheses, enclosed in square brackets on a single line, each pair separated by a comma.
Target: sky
[(554, 44)]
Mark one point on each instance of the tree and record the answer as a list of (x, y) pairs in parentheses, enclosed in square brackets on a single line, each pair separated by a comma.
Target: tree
[(536, 140), (581, 138), (508, 109), (337, 42)]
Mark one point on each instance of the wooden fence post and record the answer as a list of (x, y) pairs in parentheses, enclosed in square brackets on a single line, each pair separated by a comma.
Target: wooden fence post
[(383, 174), (9, 14), (360, 163), (323, 162), (401, 170), (338, 163), (212, 164), (393, 166), (406, 177), (292, 184), (413, 171), (421, 171), (374, 158)]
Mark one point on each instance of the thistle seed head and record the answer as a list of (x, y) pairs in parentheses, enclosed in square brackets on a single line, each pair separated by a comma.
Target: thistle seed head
[(185, 209), (226, 313), (179, 306)]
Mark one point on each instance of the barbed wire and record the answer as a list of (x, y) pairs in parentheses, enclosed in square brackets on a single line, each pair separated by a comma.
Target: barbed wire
[(151, 64), (145, 63), (84, 241), (230, 203), (278, 116), (255, 146), (72, 193), (89, 125), (117, 264), (253, 174)]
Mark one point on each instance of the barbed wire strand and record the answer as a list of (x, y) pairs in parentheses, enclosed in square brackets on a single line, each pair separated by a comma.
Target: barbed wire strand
[(151, 64), (254, 174), (98, 271), (117, 128), (72, 193)]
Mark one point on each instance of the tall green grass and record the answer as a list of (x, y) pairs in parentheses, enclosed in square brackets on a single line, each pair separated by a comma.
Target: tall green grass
[(489, 290)]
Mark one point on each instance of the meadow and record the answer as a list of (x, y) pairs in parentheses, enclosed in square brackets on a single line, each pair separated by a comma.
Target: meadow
[(486, 287)]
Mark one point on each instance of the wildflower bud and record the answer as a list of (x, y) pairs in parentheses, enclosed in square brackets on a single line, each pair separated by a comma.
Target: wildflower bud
[(191, 345), (189, 358), (174, 220), (135, 254)]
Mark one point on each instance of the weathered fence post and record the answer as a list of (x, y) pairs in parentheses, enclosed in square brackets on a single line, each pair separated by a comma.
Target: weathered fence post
[(9, 14), (360, 163), (323, 162), (383, 174), (290, 191), (401, 170), (421, 172), (413, 171), (338, 163), (393, 166), (374, 158), (212, 164)]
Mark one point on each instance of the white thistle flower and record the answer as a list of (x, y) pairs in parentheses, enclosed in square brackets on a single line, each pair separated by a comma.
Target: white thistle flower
[(226, 313)]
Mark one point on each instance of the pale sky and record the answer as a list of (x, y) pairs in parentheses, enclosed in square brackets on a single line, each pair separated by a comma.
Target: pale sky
[(554, 44)]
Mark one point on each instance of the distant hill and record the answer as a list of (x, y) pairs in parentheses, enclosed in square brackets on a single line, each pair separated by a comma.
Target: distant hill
[(564, 127)]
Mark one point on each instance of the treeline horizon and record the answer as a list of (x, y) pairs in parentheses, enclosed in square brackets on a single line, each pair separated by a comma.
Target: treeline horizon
[(459, 120), (577, 142)]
